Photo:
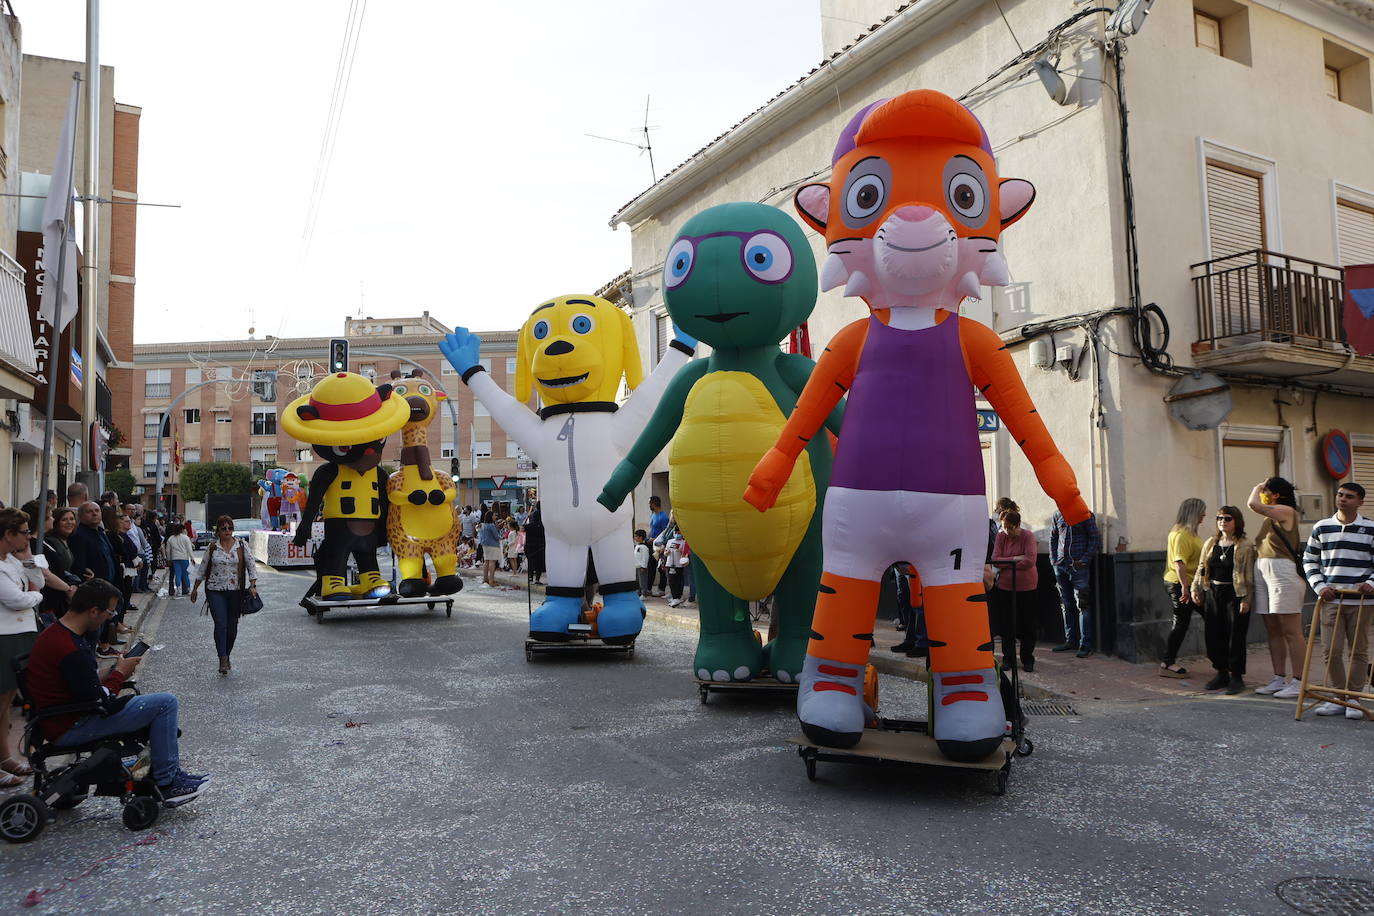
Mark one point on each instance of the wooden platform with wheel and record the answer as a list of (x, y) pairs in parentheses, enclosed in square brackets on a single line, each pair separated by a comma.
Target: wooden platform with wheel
[(580, 640), (318, 608), (908, 743), (763, 685)]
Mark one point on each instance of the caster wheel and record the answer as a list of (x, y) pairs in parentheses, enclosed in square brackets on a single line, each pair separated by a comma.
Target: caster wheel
[(1025, 748), (448, 612), (140, 813), (529, 655), (705, 693), (319, 617), (811, 768), (630, 652), (22, 818), (430, 605), (1002, 777)]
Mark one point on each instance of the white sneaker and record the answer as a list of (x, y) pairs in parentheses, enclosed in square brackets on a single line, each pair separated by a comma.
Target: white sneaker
[(1360, 713), (1289, 692), (674, 602), (1274, 686), (1329, 709)]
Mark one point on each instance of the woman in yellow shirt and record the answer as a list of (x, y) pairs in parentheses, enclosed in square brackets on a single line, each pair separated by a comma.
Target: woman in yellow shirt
[(1181, 560)]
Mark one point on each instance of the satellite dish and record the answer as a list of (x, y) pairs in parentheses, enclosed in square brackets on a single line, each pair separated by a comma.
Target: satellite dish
[(1199, 400)]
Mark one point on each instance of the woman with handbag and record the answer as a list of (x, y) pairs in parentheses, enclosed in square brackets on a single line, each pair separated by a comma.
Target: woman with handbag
[(1225, 578), (231, 582), (1279, 586)]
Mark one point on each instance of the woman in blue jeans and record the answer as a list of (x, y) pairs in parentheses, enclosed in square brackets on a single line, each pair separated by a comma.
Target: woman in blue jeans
[(178, 550), (228, 571)]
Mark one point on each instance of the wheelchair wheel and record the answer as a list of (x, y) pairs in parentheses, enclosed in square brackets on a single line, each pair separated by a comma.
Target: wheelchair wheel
[(22, 818), (140, 813)]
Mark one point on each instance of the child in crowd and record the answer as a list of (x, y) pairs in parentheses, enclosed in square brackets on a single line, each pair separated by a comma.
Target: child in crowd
[(644, 558)]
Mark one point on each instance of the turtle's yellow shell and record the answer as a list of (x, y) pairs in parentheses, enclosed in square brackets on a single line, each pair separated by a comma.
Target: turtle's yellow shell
[(729, 421)]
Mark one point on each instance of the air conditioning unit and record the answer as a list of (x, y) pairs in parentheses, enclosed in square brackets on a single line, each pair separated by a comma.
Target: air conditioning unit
[(1312, 506)]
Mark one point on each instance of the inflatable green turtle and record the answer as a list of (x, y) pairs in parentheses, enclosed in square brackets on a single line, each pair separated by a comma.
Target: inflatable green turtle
[(739, 277)]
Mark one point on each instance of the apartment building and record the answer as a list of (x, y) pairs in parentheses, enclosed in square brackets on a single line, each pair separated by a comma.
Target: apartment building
[(41, 107), (1203, 182), (222, 399)]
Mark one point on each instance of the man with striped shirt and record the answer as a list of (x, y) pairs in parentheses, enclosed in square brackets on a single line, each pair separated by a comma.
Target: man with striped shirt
[(1340, 558)]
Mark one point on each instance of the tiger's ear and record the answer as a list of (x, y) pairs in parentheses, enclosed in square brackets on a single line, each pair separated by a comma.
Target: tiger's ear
[(631, 364), (813, 205), (1015, 195)]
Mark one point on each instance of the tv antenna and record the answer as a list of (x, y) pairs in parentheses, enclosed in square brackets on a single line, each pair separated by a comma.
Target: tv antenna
[(646, 147)]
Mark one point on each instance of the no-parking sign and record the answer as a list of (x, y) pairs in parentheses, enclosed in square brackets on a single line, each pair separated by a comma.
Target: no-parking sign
[(1336, 453)]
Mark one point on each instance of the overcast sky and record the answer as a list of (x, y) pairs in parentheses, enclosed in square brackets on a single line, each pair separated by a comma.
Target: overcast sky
[(461, 181)]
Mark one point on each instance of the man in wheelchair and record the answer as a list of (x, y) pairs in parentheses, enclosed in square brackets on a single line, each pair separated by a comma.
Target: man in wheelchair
[(62, 672)]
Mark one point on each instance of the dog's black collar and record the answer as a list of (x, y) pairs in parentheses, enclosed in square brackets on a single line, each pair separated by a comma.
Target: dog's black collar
[(554, 410)]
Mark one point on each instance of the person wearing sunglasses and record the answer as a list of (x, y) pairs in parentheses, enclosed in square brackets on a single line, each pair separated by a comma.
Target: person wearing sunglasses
[(18, 628), (227, 571), (1222, 587)]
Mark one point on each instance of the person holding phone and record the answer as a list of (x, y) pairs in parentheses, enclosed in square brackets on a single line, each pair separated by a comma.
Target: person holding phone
[(62, 670)]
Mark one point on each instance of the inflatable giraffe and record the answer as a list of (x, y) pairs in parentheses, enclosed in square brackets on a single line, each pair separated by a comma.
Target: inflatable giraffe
[(423, 517)]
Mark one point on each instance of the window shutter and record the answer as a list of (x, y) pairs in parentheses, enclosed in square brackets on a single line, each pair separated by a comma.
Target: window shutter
[(663, 330), (1235, 209), (1362, 467), (1356, 225)]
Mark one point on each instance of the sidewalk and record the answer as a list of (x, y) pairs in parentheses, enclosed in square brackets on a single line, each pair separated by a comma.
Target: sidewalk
[(1057, 674)]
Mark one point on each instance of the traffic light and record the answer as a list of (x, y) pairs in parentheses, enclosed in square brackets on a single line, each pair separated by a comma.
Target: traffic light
[(338, 355)]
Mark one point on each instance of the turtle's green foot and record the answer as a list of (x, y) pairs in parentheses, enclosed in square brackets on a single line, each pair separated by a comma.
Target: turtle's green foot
[(728, 656), (785, 657)]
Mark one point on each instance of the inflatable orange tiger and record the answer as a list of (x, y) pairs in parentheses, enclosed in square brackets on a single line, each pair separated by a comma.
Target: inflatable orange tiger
[(911, 215)]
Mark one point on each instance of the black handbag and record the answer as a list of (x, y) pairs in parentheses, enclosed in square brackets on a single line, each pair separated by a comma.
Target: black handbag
[(249, 603)]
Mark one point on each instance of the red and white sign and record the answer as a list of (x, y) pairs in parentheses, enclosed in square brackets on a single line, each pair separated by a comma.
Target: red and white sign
[(498, 480)]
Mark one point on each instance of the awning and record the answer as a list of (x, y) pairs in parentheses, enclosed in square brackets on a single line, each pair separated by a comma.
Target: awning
[(16, 331)]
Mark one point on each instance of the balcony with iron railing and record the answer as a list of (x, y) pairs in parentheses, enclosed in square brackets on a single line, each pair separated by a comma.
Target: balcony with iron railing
[(1265, 313)]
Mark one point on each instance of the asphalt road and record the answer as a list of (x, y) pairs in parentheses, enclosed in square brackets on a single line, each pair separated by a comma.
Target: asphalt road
[(475, 782)]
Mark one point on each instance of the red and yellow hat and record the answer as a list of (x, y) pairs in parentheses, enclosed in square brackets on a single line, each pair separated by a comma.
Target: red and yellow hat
[(345, 409)]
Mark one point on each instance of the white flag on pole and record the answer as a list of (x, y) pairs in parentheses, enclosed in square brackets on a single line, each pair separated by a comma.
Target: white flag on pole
[(58, 303), (472, 431)]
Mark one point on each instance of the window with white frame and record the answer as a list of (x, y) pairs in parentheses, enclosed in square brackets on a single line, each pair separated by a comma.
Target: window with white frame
[(193, 377), (446, 369), (263, 456), (1354, 227), (446, 451), (224, 417), (222, 373), (224, 454), (150, 426), (305, 454), (265, 384), (157, 383), (191, 415), (150, 462), (482, 449), (513, 449), (190, 456), (264, 421), (510, 366)]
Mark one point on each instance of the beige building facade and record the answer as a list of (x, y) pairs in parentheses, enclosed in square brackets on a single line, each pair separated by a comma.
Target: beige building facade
[(1250, 189), (236, 416)]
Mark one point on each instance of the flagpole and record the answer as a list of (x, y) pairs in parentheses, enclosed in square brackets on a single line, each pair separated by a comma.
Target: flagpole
[(91, 317)]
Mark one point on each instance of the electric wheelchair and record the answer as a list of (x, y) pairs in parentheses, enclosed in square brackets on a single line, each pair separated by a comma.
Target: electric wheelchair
[(65, 776)]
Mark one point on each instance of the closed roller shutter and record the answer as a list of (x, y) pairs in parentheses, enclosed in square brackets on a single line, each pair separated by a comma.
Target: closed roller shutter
[(1356, 225), (1362, 467), (1235, 223), (663, 332), (1235, 209)]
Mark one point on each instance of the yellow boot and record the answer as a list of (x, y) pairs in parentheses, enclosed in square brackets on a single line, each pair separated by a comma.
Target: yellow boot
[(335, 588), (372, 585)]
